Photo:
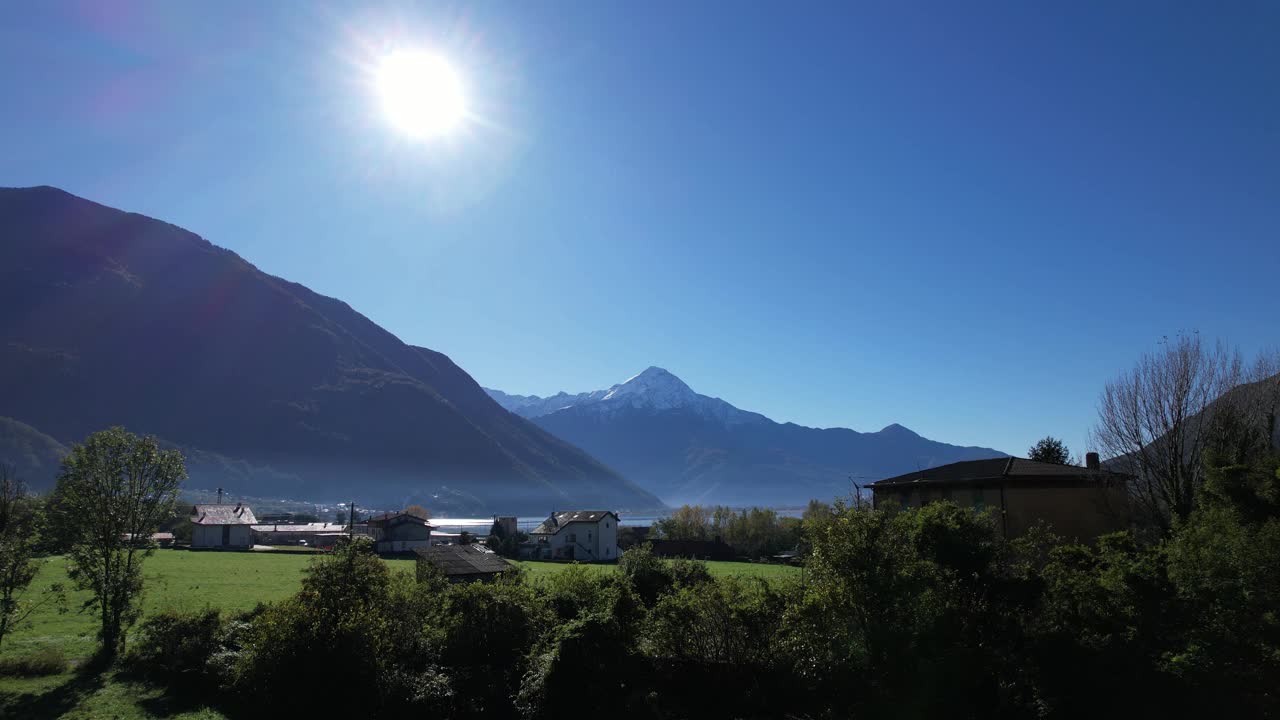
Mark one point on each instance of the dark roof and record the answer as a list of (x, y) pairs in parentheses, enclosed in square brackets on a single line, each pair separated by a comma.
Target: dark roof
[(558, 520), (997, 469), (397, 518), (224, 514), (455, 560)]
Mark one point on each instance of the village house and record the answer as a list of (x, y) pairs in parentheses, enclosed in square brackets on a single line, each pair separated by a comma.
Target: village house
[(397, 532), (582, 535), (222, 526), (460, 563), (1077, 502)]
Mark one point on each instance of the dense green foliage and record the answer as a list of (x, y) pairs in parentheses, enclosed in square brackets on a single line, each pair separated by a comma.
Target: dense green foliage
[(48, 661), (924, 613), (20, 519), (753, 532), (927, 613), (114, 487), (1051, 450)]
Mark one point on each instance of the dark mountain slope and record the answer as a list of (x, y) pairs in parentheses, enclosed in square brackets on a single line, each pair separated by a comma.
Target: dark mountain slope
[(109, 317), (34, 457)]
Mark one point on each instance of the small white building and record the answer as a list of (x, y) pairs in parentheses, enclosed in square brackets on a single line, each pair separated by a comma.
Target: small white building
[(222, 525), (582, 535)]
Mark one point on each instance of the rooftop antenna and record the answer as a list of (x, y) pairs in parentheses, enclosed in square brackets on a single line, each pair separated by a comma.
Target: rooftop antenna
[(857, 489)]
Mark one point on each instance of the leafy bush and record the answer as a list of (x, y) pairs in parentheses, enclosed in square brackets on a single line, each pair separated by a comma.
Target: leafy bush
[(587, 662), (46, 661), (730, 621), (687, 573), (647, 573), (354, 620), (484, 632), (176, 647), (578, 591)]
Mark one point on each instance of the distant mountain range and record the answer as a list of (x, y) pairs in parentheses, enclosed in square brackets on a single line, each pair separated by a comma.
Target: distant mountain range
[(687, 447), (108, 317)]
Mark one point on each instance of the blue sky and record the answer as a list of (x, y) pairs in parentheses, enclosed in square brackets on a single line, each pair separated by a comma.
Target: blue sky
[(962, 217)]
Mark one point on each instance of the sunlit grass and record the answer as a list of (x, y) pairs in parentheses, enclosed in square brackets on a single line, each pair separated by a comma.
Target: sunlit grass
[(187, 580)]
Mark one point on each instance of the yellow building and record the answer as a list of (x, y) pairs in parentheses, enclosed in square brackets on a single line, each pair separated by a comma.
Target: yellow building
[(1077, 502)]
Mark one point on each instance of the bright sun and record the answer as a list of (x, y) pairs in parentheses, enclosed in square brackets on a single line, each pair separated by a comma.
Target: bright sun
[(421, 93)]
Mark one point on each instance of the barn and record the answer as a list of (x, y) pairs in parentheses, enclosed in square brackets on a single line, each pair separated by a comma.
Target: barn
[(222, 526)]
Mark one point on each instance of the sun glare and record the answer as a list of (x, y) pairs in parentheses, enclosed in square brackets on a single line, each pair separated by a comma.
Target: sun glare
[(421, 94)]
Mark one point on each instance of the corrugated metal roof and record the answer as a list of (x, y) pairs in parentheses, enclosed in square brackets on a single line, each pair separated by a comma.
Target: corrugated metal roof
[(224, 514), (301, 528), (456, 560)]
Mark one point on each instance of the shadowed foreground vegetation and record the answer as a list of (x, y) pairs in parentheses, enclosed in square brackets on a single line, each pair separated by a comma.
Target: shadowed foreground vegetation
[(928, 613)]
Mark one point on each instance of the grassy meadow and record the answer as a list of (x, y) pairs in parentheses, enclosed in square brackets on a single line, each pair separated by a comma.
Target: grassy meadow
[(186, 580)]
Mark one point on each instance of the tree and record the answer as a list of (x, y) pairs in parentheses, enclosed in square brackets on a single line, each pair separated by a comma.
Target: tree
[(19, 518), (417, 511), (687, 522), (1154, 422), (114, 488), (1050, 449)]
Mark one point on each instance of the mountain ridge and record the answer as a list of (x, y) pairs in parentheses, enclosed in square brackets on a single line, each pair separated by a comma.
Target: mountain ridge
[(174, 336), (688, 447)]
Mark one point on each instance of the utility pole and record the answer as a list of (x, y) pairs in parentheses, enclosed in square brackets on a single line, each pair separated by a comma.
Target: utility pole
[(351, 525)]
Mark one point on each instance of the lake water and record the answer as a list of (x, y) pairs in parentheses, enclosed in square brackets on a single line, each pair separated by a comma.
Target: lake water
[(480, 526)]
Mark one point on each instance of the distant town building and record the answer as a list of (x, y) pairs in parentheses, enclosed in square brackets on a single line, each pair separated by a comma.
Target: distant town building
[(461, 563), (222, 526), (321, 535), (162, 539), (582, 535), (507, 524), (396, 532), (1078, 502)]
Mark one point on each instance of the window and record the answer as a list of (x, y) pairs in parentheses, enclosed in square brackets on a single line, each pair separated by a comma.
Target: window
[(573, 538), (979, 502), (906, 501), (588, 536), (924, 496)]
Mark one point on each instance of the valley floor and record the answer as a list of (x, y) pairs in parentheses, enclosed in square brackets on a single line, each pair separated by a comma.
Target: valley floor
[(185, 581)]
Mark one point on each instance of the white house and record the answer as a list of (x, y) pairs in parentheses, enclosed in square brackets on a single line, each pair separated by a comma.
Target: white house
[(584, 535), (223, 525)]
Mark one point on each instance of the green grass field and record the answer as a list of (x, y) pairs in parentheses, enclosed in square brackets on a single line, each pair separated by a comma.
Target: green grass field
[(186, 580)]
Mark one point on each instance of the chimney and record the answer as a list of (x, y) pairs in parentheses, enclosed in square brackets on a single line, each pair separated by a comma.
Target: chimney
[(1091, 461), (219, 496)]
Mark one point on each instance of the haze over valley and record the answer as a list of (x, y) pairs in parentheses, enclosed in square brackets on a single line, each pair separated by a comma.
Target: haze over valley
[(690, 448)]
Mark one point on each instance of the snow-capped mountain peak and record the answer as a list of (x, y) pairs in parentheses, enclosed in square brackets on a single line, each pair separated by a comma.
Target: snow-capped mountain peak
[(653, 390)]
